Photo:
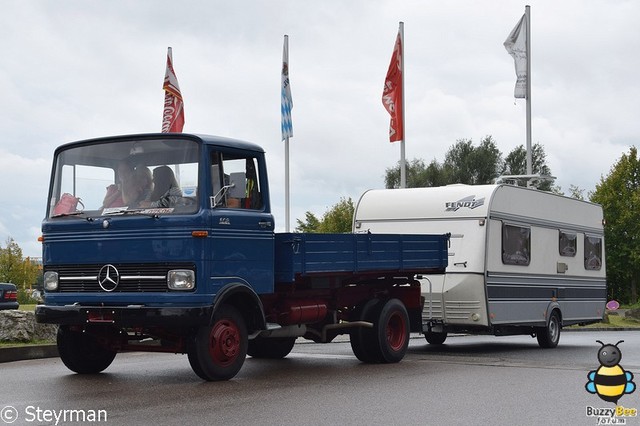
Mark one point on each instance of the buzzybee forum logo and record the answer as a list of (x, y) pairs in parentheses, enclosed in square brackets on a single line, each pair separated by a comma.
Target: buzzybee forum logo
[(610, 382)]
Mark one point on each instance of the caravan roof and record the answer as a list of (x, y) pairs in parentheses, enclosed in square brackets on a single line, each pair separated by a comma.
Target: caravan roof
[(458, 201)]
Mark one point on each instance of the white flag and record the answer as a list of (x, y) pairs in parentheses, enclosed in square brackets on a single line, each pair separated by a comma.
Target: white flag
[(516, 45)]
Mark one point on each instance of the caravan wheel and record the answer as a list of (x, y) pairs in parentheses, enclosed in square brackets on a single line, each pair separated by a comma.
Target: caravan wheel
[(435, 338), (549, 336)]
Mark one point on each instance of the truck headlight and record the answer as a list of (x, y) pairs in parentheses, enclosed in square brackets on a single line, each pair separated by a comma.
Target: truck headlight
[(51, 280), (181, 279)]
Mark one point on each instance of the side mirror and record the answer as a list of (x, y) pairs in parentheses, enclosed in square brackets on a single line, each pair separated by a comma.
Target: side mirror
[(235, 189)]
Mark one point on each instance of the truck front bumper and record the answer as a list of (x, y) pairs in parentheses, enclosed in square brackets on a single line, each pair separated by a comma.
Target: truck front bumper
[(124, 316)]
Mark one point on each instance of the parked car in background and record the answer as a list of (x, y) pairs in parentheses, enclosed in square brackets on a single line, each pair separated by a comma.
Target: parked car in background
[(8, 296)]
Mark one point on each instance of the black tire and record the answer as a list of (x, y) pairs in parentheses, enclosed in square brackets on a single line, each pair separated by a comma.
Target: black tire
[(81, 352), (194, 362), (270, 348), (392, 329), (218, 350), (549, 336), (435, 338), (363, 339)]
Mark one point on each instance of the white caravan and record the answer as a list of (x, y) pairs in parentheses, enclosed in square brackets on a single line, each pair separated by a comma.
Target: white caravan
[(521, 261)]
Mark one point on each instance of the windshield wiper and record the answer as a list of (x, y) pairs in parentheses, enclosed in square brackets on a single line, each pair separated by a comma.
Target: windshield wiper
[(75, 213), (115, 211)]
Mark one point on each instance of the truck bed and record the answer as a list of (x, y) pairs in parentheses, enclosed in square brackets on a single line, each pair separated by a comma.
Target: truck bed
[(300, 255)]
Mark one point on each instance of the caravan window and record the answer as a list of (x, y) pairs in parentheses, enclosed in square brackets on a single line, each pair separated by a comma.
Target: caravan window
[(567, 245), (592, 253), (516, 245)]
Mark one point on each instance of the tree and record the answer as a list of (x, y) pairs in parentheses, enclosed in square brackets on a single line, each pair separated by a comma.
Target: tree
[(465, 163), (619, 195), (15, 269), (418, 175), (516, 164), (338, 219), (311, 223), (576, 192)]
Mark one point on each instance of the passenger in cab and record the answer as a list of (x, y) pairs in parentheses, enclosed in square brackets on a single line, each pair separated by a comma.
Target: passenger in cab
[(114, 197), (166, 191), (135, 194)]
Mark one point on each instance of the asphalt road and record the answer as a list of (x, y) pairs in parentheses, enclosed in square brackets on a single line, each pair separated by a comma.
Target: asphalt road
[(471, 380)]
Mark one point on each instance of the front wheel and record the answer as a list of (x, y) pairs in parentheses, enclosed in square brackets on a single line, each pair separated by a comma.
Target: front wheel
[(81, 352), (218, 350), (549, 336)]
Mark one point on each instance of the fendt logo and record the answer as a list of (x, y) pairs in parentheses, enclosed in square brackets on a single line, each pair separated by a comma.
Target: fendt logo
[(469, 202)]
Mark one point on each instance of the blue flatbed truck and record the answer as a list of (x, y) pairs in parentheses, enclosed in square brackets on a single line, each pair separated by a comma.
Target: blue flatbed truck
[(200, 270)]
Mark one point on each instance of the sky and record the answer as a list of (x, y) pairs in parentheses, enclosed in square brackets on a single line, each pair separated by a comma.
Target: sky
[(77, 69)]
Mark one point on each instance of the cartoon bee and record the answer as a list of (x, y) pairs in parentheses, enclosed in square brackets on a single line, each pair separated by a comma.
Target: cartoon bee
[(610, 381)]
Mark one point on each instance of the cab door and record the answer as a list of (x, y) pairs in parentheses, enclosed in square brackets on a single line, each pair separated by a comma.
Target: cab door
[(242, 226)]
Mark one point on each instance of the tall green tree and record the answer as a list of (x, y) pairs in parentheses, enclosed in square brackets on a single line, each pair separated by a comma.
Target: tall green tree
[(310, 223), (479, 165), (16, 269), (419, 175), (619, 195), (337, 219), (473, 165), (515, 163)]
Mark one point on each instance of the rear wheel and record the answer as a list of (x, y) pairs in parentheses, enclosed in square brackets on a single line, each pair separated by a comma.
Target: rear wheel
[(549, 336), (218, 350), (388, 339), (81, 352), (272, 348), (362, 339), (393, 331)]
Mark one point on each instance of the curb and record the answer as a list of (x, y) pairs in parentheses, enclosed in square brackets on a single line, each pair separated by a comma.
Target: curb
[(21, 353)]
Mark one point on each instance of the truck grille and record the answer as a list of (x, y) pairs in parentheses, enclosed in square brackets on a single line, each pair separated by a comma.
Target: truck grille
[(132, 277)]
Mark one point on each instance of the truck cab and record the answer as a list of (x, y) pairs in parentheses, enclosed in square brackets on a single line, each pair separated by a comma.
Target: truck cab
[(159, 265), (222, 192)]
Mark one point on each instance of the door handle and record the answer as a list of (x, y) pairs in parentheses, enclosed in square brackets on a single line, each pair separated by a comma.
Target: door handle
[(264, 224)]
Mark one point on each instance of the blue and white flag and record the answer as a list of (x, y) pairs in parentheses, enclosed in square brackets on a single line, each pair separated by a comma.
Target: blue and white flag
[(285, 97)]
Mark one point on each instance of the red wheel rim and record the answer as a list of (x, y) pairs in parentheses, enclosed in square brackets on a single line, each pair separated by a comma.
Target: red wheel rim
[(224, 343), (396, 332)]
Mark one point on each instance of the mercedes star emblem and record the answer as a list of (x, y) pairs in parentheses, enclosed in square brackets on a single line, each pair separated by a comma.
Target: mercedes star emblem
[(108, 277)]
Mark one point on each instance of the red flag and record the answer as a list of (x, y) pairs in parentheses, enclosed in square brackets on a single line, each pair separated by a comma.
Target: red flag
[(392, 93), (173, 113)]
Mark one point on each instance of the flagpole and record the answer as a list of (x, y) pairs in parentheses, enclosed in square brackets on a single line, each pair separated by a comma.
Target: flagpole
[(287, 130), (403, 161), (528, 43), (287, 200), (286, 185)]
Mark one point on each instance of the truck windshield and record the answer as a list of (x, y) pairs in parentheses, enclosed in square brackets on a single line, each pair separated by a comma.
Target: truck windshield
[(126, 176)]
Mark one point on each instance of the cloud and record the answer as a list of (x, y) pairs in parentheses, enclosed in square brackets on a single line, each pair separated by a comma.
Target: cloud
[(89, 69)]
